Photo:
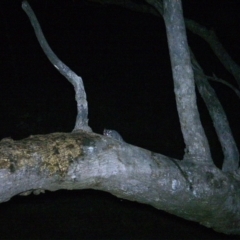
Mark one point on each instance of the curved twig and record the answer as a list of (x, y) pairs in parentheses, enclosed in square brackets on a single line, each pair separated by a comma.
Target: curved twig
[(72, 77)]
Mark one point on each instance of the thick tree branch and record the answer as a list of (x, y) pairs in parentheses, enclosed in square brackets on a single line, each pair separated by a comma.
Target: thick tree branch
[(230, 151), (197, 147), (81, 161), (194, 190)]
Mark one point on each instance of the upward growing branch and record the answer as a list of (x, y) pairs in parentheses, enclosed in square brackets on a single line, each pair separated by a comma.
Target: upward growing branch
[(72, 77), (197, 147)]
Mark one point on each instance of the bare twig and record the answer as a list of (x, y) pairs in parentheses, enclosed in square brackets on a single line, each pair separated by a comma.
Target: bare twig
[(72, 77)]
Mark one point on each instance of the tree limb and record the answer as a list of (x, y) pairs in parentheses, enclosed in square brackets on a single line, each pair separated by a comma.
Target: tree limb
[(211, 38), (197, 147), (81, 161), (194, 190), (223, 130), (219, 118), (72, 77)]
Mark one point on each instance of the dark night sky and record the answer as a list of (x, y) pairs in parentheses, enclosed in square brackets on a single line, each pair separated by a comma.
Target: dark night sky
[(123, 59)]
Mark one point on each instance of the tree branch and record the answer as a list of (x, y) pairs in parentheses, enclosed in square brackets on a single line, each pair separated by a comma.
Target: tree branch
[(72, 77), (219, 118), (197, 148), (85, 160), (194, 190), (211, 38)]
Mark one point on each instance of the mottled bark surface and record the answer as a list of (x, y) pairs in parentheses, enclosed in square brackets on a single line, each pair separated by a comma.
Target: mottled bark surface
[(193, 189), (86, 160)]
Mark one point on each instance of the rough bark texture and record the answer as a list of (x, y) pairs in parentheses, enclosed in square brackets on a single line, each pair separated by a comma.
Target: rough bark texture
[(83, 160), (197, 148), (193, 189)]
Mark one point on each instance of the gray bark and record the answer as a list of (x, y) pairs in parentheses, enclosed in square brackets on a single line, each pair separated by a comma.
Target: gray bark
[(220, 121), (216, 111), (198, 192), (193, 189), (71, 76), (197, 147)]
